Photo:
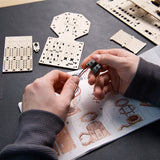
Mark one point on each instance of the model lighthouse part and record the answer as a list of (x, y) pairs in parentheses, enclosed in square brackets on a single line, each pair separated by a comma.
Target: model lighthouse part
[(64, 51)]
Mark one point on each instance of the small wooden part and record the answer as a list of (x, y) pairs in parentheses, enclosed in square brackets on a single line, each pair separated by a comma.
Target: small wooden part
[(18, 54), (36, 47), (128, 41), (135, 17)]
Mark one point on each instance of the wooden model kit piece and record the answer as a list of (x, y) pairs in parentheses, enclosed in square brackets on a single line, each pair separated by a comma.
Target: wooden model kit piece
[(36, 47), (149, 6), (135, 17), (18, 55), (128, 41), (65, 51)]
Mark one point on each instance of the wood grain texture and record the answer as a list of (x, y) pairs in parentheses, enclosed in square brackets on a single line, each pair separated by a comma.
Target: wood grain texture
[(7, 3)]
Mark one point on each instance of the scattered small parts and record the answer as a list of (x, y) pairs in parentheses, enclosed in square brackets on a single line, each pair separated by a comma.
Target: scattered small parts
[(36, 47)]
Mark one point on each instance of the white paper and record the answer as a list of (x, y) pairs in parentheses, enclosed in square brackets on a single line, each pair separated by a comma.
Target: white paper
[(92, 123)]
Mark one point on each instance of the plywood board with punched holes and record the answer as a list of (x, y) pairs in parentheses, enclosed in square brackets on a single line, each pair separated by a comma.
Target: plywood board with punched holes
[(128, 41), (149, 7), (18, 54), (75, 25), (64, 51), (135, 17)]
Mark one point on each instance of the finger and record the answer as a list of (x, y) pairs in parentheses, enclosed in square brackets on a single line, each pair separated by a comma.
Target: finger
[(69, 88), (107, 88), (119, 52), (109, 60), (87, 59), (91, 78), (56, 76), (106, 77), (98, 88), (113, 56), (115, 80)]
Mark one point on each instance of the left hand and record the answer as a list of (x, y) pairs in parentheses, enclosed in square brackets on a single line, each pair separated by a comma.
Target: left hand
[(41, 94)]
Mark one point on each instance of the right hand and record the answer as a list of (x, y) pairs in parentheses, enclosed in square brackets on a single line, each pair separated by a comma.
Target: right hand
[(120, 67)]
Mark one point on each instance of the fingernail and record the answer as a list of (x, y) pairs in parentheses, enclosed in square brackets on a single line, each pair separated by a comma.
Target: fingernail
[(96, 57), (75, 79)]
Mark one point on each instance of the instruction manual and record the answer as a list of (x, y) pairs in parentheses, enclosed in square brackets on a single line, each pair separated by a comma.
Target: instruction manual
[(92, 123)]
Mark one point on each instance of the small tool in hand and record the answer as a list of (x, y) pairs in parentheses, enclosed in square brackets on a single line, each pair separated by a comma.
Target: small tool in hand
[(93, 65)]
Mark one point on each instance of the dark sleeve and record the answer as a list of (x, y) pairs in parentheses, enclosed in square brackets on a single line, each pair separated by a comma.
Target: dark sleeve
[(35, 137), (146, 83)]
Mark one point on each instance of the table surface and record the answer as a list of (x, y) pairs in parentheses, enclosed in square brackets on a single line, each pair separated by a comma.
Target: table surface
[(35, 19)]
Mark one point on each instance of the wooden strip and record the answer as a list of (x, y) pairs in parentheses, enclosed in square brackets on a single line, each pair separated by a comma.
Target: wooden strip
[(1, 87), (7, 3)]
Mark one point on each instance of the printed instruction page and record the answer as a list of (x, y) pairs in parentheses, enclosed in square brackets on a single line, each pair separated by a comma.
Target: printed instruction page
[(92, 123)]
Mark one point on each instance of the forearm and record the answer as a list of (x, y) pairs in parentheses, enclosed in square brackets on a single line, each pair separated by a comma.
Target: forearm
[(36, 136), (146, 83)]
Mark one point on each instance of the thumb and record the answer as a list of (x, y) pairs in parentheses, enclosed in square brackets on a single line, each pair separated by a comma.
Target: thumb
[(69, 88), (108, 59)]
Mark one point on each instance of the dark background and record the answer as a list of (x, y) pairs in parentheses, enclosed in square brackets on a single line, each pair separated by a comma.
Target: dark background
[(35, 19)]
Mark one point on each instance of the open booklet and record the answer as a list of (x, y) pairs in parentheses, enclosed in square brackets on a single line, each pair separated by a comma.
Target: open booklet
[(92, 123)]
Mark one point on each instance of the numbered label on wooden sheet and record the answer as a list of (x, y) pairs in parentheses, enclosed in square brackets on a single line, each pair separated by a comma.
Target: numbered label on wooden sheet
[(65, 51), (135, 17), (18, 54)]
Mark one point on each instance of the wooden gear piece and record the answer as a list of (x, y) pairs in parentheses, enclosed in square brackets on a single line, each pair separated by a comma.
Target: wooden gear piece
[(18, 54), (135, 17), (65, 51), (128, 41)]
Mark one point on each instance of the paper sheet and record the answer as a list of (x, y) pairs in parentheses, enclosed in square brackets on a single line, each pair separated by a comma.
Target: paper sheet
[(92, 123)]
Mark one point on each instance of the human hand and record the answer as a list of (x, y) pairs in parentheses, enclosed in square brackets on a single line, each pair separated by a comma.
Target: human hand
[(119, 67), (41, 94)]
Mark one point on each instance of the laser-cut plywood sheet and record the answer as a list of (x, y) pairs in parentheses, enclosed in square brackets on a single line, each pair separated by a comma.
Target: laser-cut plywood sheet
[(135, 17), (128, 41), (73, 24), (18, 54), (7, 3), (62, 53), (149, 7), (65, 51)]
